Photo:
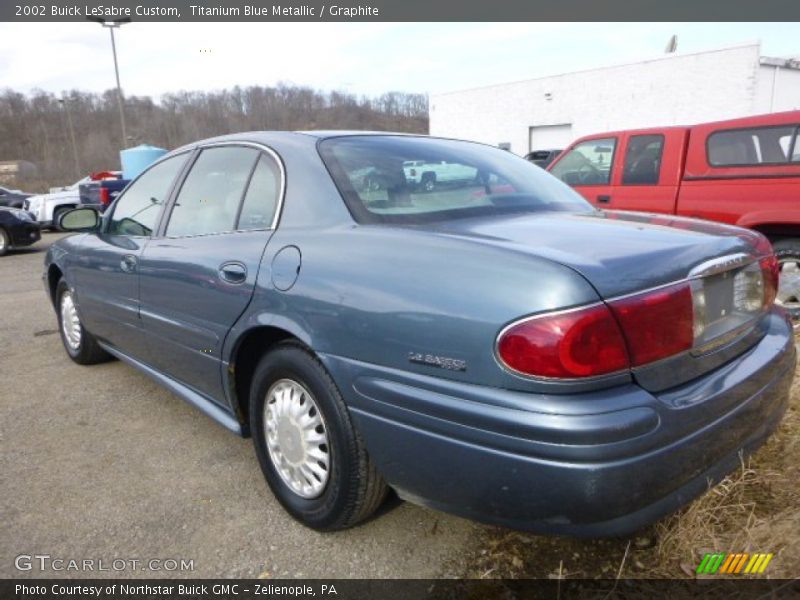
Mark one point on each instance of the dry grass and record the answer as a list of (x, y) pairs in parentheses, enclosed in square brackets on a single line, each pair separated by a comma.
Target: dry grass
[(755, 509)]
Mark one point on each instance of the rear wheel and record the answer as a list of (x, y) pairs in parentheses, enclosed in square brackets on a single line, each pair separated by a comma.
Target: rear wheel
[(428, 182), (57, 213), (81, 346), (5, 242), (788, 254), (312, 457)]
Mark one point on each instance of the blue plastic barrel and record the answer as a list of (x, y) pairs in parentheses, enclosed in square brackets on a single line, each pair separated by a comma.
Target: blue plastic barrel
[(135, 160)]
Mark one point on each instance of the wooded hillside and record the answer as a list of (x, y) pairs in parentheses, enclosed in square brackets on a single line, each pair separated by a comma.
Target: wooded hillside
[(35, 127)]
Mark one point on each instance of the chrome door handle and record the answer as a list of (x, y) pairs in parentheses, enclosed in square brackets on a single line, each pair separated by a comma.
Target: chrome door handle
[(233, 272)]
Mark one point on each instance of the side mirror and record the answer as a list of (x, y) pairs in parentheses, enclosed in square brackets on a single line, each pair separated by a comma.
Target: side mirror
[(80, 219)]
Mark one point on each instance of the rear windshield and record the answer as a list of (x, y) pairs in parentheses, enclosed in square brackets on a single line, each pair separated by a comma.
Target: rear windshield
[(414, 180)]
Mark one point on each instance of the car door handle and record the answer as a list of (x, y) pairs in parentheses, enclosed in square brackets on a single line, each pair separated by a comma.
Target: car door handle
[(233, 272), (128, 263), (604, 198)]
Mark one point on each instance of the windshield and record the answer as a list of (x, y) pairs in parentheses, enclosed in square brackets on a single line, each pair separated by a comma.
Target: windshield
[(412, 180)]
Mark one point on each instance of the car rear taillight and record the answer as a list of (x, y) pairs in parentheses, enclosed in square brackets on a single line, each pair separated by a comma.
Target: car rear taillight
[(721, 298), (656, 324), (413, 172), (601, 339), (579, 343), (770, 271), (105, 196)]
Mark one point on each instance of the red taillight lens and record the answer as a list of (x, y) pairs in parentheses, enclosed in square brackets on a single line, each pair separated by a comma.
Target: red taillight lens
[(770, 271), (760, 243), (656, 324), (105, 196), (579, 343), (770, 268)]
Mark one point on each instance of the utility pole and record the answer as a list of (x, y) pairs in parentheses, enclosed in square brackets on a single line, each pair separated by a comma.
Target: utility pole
[(111, 25), (64, 100)]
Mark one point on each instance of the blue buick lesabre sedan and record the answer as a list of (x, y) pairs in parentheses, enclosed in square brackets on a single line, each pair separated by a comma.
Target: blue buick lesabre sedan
[(488, 344)]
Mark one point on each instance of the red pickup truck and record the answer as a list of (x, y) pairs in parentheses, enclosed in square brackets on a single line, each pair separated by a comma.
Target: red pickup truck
[(744, 172)]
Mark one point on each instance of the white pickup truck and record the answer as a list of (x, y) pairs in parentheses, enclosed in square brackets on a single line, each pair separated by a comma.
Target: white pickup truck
[(427, 175), (47, 208)]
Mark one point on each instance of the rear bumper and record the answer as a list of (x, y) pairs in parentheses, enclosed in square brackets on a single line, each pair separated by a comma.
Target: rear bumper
[(601, 463)]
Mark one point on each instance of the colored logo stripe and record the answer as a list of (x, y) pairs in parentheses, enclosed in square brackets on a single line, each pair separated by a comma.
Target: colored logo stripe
[(758, 563), (733, 563)]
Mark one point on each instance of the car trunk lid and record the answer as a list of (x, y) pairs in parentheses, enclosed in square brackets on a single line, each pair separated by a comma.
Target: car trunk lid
[(625, 254)]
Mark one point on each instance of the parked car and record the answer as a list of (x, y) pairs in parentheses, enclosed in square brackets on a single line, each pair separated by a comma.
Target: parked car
[(744, 172), (515, 356), (17, 229), (12, 198), (542, 158), (48, 208)]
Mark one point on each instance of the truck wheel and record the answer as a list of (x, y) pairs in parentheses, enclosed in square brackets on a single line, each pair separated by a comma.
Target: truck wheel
[(312, 457), (5, 242), (428, 181), (788, 254), (81, 346), (57, 216)]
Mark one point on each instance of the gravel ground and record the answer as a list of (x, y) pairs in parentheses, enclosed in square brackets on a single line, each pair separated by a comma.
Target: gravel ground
[(102, 463)]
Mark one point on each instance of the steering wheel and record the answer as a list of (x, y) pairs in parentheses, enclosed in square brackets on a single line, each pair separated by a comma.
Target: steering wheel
[(587, 173)]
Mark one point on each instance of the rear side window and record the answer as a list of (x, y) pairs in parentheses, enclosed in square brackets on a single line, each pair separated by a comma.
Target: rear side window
[(413, 180), (137, 210), (753, 146), (588, 163), (643, 160), (210, 196), (261, 199)]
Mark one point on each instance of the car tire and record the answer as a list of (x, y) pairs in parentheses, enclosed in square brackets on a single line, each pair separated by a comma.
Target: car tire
[(294, 397), (787, 251), (57, 216), (428, 182), (5, 242), (81, 346)]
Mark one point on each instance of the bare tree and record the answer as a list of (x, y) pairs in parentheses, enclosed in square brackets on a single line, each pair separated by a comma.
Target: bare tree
[(32, 127)]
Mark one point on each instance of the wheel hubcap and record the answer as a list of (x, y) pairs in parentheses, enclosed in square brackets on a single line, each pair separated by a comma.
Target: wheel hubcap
[(789, 284), (2, 241), (70, 323), (297, 438)]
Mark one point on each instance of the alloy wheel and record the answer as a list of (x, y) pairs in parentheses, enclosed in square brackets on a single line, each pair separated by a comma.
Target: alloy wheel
[(789, 283)]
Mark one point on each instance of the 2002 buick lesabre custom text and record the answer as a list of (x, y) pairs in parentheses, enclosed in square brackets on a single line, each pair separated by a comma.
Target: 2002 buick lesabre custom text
[(493, 347)]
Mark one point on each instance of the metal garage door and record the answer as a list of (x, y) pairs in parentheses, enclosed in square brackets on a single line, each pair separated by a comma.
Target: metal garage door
[(546, 137)]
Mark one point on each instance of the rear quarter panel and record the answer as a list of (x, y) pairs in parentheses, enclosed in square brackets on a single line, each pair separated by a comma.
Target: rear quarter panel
[(365, 293)]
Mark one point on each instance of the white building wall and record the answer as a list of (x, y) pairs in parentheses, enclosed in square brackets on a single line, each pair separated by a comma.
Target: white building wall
[(673, 89), (778, 89)]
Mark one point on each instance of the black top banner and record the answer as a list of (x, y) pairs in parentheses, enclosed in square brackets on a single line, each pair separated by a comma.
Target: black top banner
[(402, 10)]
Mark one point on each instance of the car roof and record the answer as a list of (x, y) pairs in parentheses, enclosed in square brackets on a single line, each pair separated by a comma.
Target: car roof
[(272, 138), (328, 133)]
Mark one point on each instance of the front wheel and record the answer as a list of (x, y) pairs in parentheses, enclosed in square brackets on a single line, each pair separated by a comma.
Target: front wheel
[(80, 345), (5, 242), (312, 457), (788, 254)]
